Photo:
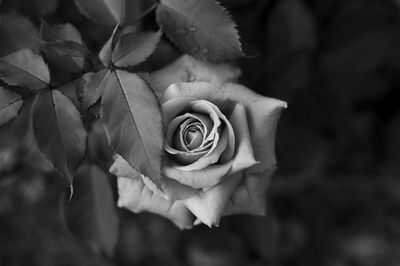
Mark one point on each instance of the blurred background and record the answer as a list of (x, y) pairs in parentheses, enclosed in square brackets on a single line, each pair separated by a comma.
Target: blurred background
[(335, 199)]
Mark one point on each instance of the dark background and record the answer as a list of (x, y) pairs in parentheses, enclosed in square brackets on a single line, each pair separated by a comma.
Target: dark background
[(335, 199)]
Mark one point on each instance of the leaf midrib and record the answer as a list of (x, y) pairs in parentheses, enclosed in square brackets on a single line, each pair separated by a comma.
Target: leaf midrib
[(135, 124), (25, 71)]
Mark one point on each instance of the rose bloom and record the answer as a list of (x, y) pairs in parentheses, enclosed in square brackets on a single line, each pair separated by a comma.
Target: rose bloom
[(219, 147)]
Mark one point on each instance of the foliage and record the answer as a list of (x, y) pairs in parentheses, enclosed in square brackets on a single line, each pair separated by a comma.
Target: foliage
[(335, 198), (71, 87)]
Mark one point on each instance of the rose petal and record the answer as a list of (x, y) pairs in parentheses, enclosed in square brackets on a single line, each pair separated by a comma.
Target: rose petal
[(263, 114), (121, 167), (208, 206), (187, 69), (175, 190), (214, 174), (244, 155), (174, 107), (136, 196), (208, 108), (198, 179), (184, 120), (204, 90), (249, 197), (209, 159), (172, 190), (198, 90)]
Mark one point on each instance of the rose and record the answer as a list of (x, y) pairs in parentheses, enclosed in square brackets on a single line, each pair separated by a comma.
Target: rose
[(219, 150)]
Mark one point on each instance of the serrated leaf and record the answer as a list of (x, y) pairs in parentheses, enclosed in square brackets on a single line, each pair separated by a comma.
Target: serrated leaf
[(70, 48), (106, 52), (17, 32), (73, 90), (91, 214), (68, 32), (106, 12), (132, 118), (10, 105), (202, 29), (95, 83), (64, 48), (58, 131), (25, 68), (133, 48), (69, 55)]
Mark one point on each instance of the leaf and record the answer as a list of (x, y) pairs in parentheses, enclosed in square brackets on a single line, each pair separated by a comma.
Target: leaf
[(94, 86), (63, 46), (106, 51), (68, 32), (25, 68), (69, 55), (69, 48), (133, 48), (73, 90), (59, 131), (91, 214), (202, 29), (106, 12), (132, 119), (10, 105), (17, 32)]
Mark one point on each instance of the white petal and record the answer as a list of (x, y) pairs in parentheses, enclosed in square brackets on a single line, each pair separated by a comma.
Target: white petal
[(208, 206), (263, 114), (249, 197), (208, 159), (216, 173), (137, 197), (187, 69), (199, 90)]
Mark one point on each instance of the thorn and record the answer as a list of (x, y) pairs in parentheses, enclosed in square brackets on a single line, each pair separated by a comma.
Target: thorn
[(71, 190)]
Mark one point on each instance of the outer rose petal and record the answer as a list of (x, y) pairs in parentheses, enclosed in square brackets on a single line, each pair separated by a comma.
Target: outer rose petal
[(249, 196), (187, 69), (199, 90), (263, 114), (172, 189), (209, 206), (136, 196)]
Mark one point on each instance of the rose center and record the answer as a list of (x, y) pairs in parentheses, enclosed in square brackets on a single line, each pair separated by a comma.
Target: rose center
[(193, 137)]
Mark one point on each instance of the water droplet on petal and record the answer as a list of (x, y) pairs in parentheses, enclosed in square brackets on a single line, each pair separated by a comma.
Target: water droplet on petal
[(205, 51), (192, 28)]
